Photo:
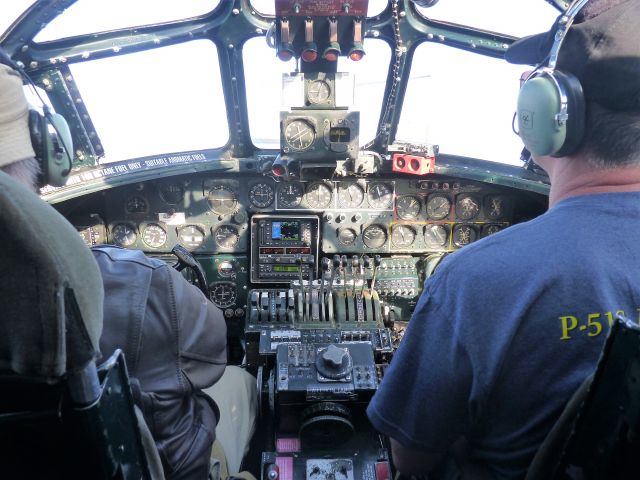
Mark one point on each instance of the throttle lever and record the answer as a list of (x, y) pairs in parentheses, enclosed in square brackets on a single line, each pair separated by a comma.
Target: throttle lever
[(186, 259)]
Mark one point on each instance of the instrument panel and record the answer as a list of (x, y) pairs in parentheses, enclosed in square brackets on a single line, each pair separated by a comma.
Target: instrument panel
[(212, 216)]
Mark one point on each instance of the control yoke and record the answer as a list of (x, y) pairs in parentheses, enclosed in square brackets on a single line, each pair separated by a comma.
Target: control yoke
[(186, 259)]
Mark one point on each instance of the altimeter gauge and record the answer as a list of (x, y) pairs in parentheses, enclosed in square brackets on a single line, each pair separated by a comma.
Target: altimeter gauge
[(299, 135)]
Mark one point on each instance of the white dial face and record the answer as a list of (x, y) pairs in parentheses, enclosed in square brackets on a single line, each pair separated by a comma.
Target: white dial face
[(154, 235), (318, 92), (299, 135)]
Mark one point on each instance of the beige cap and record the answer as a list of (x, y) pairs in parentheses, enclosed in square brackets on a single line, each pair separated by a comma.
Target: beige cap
[(15, 140)]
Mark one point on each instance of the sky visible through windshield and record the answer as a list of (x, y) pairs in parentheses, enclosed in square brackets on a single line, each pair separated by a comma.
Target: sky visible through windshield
[(458, 100)]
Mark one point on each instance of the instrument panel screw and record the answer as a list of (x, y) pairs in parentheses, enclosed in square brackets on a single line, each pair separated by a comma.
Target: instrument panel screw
[(236, 11)]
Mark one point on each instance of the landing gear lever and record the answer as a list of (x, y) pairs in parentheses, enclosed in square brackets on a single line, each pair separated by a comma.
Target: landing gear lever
[(186, 259)]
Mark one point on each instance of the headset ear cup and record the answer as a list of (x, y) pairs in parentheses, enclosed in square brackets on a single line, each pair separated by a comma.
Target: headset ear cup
[(576, 113), (37, 130), (538, 105), (60, 148)]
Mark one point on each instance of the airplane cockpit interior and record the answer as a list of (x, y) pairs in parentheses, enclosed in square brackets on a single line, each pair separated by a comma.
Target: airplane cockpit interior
[(310, 162)]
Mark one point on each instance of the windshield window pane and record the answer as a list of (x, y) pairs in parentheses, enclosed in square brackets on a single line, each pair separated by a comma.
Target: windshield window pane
[(90, 16), (143, 104), (10, 11), (511, 17), (263, 73), (463, 102)]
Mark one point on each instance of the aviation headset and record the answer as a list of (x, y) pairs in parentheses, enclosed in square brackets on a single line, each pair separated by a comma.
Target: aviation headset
[(551, 105), (50, 136)]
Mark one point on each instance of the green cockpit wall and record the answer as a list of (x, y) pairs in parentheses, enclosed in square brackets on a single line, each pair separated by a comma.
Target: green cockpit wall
[(229, 26)]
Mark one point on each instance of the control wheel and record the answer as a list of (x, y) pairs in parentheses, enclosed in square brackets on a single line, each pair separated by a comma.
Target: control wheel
[(326, 424)]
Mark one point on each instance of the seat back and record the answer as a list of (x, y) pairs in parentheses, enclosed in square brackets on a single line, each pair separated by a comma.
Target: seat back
[(60, 416), (597, 435)]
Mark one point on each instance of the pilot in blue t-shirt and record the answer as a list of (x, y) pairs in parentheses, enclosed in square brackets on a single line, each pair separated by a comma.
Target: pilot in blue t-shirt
[(508, 328)]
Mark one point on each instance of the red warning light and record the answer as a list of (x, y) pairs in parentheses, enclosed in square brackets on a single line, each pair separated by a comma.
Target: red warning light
[(309, 55), (356, 54), (278, 170)]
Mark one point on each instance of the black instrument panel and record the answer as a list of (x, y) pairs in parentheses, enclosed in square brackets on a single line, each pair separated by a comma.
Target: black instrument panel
[(408, 218)]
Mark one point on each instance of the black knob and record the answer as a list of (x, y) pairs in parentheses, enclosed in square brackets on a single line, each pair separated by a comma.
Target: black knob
[(377, 260), (325, 264), (336, 261), (355, 261), (367, 261), (333, 356), (344, 260)]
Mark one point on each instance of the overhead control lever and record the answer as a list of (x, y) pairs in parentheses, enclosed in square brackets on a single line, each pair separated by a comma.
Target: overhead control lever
[(186, 259)]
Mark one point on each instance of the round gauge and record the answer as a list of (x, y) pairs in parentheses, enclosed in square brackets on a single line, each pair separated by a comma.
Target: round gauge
[(123, 234), (261, 194), (154, 236), (171, 193), (380, 196), (226, 268), (290, 195), (403, 236), (438, 207), (436, 235), (136, 204), (347, 236), (191, 236), (319, 196), (350, 196), (374, 236), (222, 200), (491, 229), (223, 294), (408, 207), (495, 206), (299, 135), (318, 91), (467, 207), (226, 236), (463, 235)]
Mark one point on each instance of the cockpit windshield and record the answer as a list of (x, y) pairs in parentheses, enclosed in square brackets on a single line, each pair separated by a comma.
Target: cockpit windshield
[(156, 83)]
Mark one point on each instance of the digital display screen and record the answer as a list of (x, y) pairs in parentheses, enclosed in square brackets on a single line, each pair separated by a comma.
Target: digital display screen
[(286, 268), (298, 250), (285, 231), (271, 250)]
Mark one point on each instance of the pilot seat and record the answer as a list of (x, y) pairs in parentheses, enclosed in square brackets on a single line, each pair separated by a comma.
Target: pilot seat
[(61, 415)]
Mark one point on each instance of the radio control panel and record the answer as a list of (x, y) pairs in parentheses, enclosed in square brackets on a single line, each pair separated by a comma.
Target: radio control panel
[(284, 248)]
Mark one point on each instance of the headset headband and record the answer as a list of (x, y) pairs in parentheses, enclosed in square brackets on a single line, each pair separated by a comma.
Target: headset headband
[(564, 23)]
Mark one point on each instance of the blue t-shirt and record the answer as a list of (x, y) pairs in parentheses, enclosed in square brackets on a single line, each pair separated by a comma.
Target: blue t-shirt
[(509, 327)]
